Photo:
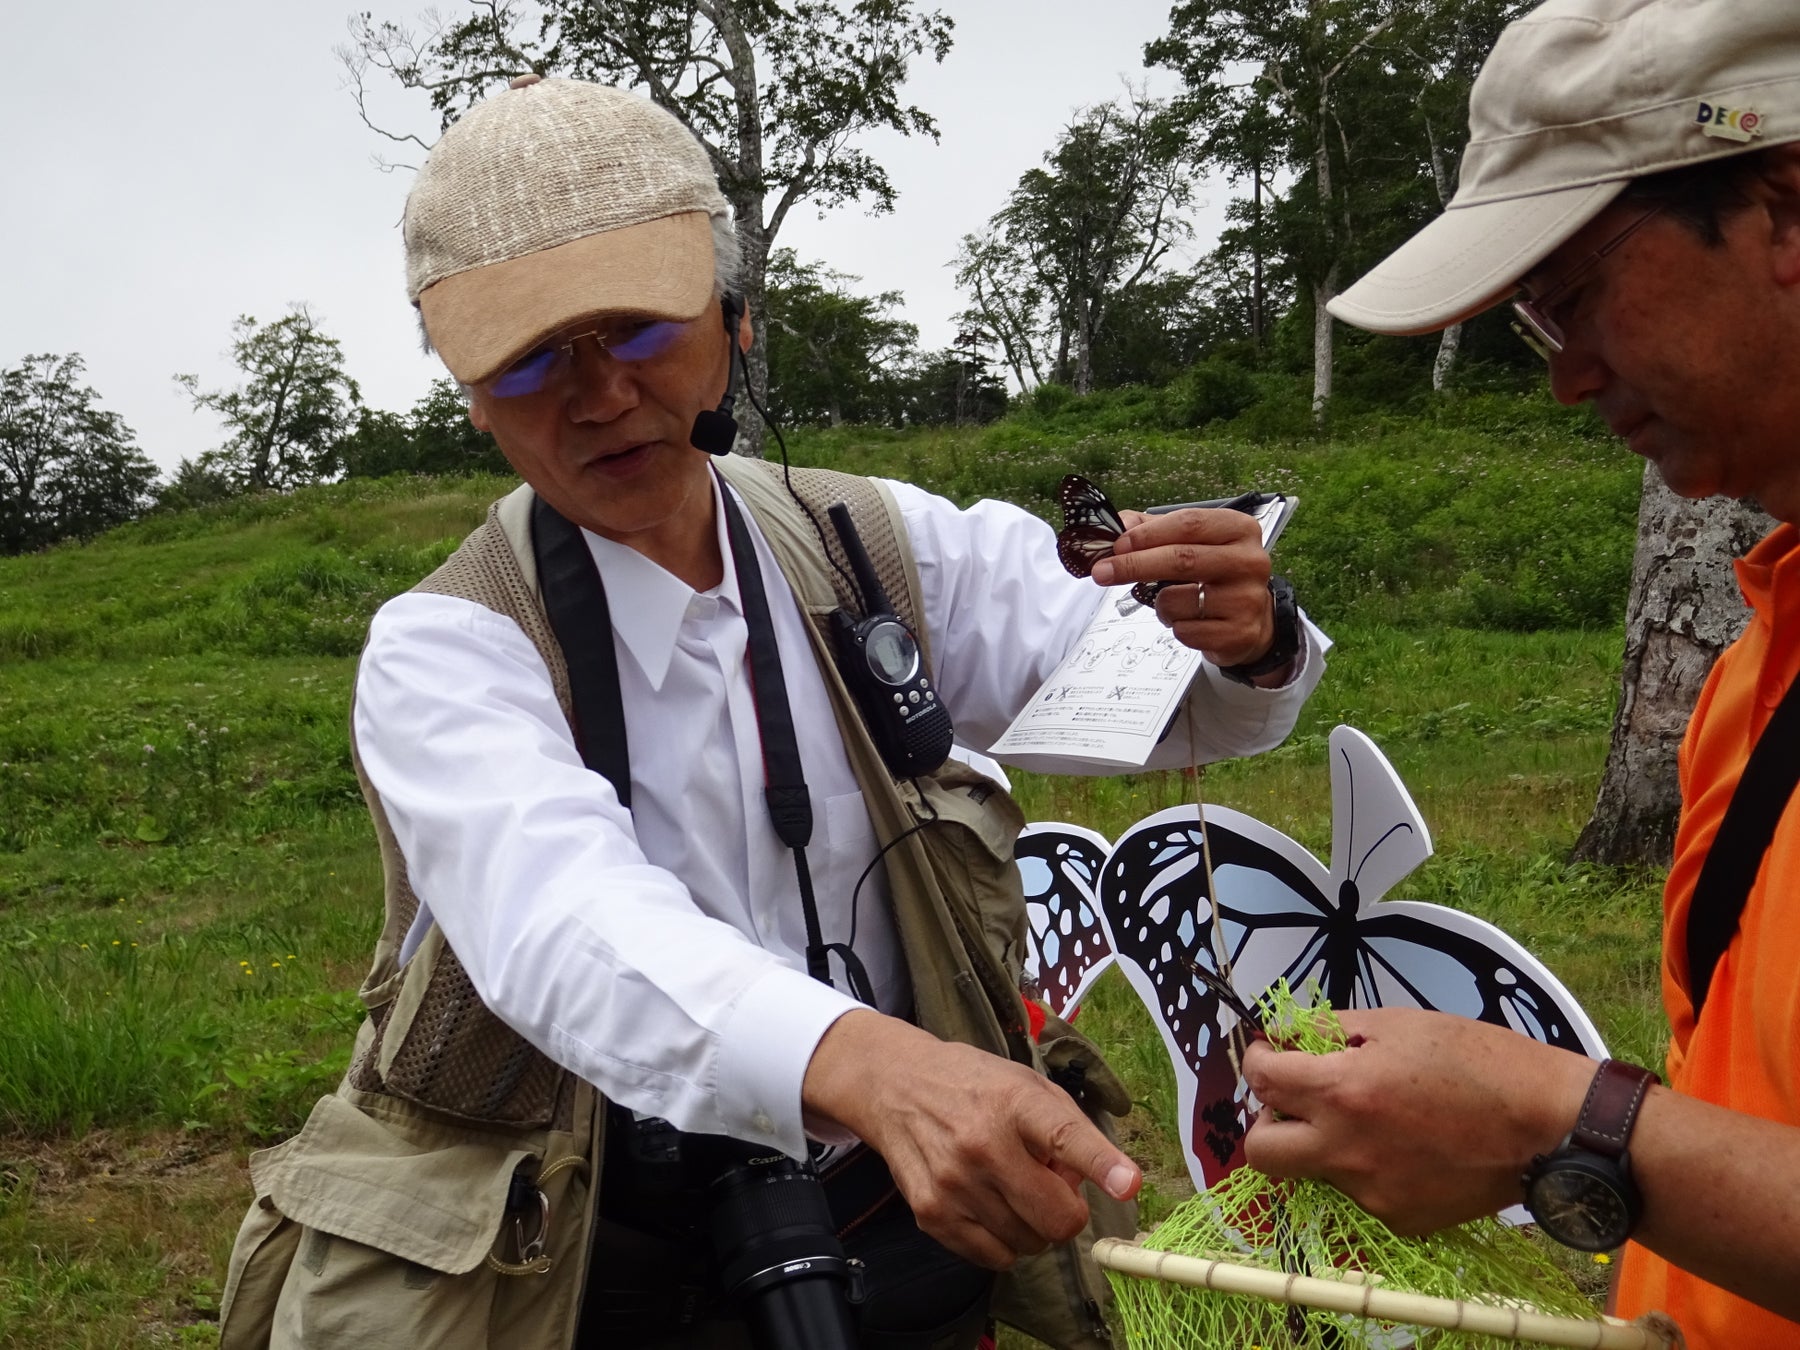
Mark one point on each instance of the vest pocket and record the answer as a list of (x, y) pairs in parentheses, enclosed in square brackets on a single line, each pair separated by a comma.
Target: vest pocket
[(979, 824), (265, 1246), (374, 1227)]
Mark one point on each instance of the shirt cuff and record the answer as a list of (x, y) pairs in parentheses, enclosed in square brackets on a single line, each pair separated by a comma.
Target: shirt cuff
[(764, 1050), (1313, 646)]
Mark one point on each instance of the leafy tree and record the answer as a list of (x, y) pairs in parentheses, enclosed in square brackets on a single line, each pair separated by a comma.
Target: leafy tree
[(194, 484), (435, 437), (1358, 108), (955, 387), (834, 356), (68, 468), (778, 94), (1440, 51), (296, 403), (1077, 235), (1307, 87)]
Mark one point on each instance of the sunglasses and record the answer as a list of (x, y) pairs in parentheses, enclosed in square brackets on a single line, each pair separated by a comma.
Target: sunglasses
[(1091, 525), (1537, 324), (629, 340)]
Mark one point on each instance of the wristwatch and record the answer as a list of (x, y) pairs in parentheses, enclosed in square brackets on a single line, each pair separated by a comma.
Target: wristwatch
[(1286, 645), (1581, 1193)]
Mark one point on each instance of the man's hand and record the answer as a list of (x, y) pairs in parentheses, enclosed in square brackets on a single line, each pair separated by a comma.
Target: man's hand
[(1427, 1120), (1228, 616), (989, 1155)]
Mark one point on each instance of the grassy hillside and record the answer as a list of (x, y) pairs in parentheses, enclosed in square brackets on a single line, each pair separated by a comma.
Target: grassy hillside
[(189, 887)]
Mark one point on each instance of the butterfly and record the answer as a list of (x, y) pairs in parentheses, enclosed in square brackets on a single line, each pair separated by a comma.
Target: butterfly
[(1090, 525), (1278, 913), (1066, 947)]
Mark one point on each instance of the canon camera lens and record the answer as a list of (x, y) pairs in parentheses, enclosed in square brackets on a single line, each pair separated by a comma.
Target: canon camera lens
[(777, 1252)]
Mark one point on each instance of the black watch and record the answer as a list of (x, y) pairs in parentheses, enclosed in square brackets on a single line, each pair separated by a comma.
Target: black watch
[(1286, 645), (1582, 1193)]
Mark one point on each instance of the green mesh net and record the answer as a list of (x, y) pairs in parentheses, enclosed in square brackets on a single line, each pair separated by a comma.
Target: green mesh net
[(1310, 1228)]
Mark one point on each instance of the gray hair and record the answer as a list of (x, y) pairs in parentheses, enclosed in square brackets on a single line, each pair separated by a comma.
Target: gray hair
[(728, 272)]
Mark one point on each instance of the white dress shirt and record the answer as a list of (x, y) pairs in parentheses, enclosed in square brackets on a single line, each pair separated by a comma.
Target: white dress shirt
[(660, 953)]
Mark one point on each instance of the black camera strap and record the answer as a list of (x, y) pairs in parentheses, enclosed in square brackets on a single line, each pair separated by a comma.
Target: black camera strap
[(575, 600), (1744, 835)]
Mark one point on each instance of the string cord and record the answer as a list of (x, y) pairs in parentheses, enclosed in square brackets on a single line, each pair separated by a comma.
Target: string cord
[(1237, 1041), (787, 473)]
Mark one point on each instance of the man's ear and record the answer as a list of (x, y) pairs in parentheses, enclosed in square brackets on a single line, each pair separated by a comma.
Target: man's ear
[(746, 333), (1781, 192), (478, 417)]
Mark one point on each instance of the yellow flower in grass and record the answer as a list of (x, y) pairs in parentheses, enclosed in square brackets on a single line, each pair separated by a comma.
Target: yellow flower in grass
[(1602, 1259)]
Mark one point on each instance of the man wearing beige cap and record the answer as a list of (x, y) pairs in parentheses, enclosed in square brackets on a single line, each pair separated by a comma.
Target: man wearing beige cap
[(1632, 184), (631, 806)]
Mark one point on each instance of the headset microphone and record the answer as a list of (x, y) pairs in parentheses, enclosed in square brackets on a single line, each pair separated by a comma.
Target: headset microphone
[(715, 429)]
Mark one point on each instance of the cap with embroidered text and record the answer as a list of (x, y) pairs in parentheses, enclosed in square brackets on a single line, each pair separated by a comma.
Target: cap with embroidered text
[(1578, 98)]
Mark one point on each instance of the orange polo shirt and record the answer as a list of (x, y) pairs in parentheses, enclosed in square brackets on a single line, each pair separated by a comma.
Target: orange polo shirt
[(1745, 1052)]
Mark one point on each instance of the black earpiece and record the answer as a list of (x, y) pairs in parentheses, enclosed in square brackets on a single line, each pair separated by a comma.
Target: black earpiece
[(715, 429)]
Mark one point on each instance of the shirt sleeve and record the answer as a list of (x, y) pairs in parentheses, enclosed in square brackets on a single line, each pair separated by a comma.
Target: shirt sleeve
[(529, 864), (1001, 613)]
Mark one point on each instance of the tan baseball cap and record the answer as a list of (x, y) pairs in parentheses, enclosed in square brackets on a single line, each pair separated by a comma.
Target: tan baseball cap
[(550, 203), (1578, 98)]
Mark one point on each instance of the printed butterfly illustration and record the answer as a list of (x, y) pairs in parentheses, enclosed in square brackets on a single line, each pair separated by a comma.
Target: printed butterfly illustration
[(1091, 523), (1280, 914), (1066, 945)]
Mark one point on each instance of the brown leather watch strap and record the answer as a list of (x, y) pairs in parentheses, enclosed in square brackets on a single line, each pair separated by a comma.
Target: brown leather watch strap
[(1611, 1107)]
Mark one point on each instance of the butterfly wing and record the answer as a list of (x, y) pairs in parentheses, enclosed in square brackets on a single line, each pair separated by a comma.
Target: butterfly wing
[(1378, 836), (1091, 523), (1154, 899), (1067, 947), (1407, 953), (1084, 504), (1412, 954), (1079, 547)]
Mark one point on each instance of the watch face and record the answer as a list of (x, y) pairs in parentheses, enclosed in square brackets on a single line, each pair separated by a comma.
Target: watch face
[(1579, 1208), (892, 653)]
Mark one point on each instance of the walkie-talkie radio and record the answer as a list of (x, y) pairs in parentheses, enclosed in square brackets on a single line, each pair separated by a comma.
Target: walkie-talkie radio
[(881, 662)]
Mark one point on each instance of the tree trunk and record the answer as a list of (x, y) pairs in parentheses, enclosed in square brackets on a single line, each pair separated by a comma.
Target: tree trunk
[(1084, 355), (753, 239), (1685, 609), (1257, 298), (1448, 345), (1323, 291)]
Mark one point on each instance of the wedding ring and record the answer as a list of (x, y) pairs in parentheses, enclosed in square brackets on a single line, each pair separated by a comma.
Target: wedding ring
[(1199, 599)]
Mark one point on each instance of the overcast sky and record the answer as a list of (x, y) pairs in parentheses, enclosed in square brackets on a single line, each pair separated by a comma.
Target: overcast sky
[(174, 166)]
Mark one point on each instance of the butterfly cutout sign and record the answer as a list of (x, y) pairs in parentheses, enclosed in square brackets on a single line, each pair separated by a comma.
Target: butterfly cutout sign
[(1066, 948), (1279, 913)]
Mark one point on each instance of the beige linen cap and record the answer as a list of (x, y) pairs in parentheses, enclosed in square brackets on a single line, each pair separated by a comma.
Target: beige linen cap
[(1578, 98), (550, 203)]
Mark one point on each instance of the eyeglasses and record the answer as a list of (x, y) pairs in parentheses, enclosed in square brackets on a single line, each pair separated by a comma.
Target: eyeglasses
[(628, 340), (1091, 523), (1539, 330)]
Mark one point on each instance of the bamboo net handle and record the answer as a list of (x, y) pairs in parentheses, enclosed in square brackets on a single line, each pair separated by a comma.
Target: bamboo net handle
[(1367, 1299)]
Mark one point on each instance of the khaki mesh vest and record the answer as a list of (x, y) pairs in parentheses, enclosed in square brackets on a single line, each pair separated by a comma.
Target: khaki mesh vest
[(443, 1102)]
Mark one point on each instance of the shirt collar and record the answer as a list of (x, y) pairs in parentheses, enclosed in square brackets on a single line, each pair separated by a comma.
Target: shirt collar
[(649, 605), (1771, 565)]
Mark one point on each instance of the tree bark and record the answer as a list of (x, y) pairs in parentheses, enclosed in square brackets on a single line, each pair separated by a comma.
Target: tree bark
[(1685, 609), (1257, 324), (753, 241), (1448, 345), (1323, 291)]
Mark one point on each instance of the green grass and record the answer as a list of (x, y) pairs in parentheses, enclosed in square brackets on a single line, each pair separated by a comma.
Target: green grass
[(235, 853)]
